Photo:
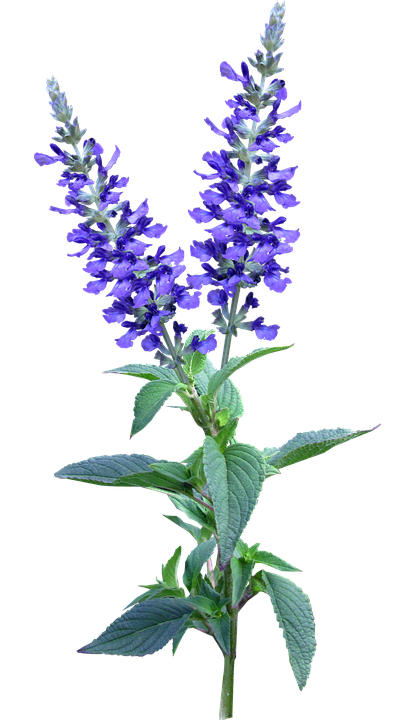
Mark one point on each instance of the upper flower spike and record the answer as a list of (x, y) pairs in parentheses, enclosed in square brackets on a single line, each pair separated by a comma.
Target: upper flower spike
[(244, 244), (143, 285)]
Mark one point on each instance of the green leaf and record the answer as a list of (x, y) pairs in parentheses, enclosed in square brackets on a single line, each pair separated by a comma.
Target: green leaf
[(236, 363), (171, 470), (194, 363), (170, 568), (143, 630), (180, 635), (268, 452), (189, 528), (109, 469), (149, 400), (195, 561), (228, 395), (309, 444), (202, 604), (208, 591), (234, 479), (222, 417), (270, 470), (241, 573), (221, 629), (242, 551), (148, 372), (195, 512), (242, 548), (196, 455), (158, 591), (267, 558), (226, 434), (294, 614)]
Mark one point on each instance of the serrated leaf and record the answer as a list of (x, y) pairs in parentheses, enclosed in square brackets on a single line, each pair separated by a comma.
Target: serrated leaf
[(143, 629), (108, 469), (267, 558), (196, 455), (148, 372), (195, 561), (202, 604), (194, 363), (294, 614), (220, 376), (156, 590), (189, 528), (148, 595), (149, 400), (194, 512), (178, 637), (221, 629), (171, 470), (226, 434), (234, 479), (170, 568), (228, 395), (308, 444), (208, 591), (241, 573)]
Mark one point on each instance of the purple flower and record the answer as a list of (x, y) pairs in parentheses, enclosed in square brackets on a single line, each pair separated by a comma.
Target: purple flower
[(143, 284), (244, 246)]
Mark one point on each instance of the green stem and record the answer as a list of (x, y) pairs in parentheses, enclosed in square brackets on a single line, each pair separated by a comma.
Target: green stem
[(179, 371), (228, 336), (227, 690)]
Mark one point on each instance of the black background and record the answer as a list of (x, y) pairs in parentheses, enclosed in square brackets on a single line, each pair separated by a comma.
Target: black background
[(145, 84)]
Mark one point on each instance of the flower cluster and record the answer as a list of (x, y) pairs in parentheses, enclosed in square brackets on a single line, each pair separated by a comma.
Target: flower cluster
[(143, 280), (245, 246)]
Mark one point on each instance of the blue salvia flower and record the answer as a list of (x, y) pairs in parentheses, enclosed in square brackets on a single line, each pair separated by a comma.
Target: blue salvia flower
[(244, 246), (143, 285)]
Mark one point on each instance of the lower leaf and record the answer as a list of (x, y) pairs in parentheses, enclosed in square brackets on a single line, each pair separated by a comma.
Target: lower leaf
[(142, 630), (294, 614)]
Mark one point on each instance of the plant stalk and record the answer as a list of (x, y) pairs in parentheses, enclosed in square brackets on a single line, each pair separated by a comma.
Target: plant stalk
[(228, 336), (227, 689)]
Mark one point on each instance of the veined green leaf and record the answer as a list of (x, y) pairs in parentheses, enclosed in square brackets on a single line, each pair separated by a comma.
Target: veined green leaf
[(180, 635), (143, 629), (241, 573), (194, 363), (226, 434), (171, 470), (149, 400), (192, 529), (148, 372), (196, 455), (109, 469), (195, 561), (308, 444), (195, 512), (234, 479), (157, 592), (170, 568), (220, 376), (228, 395), (221, 629), (267, 558), (203, 604), (294, 614)]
